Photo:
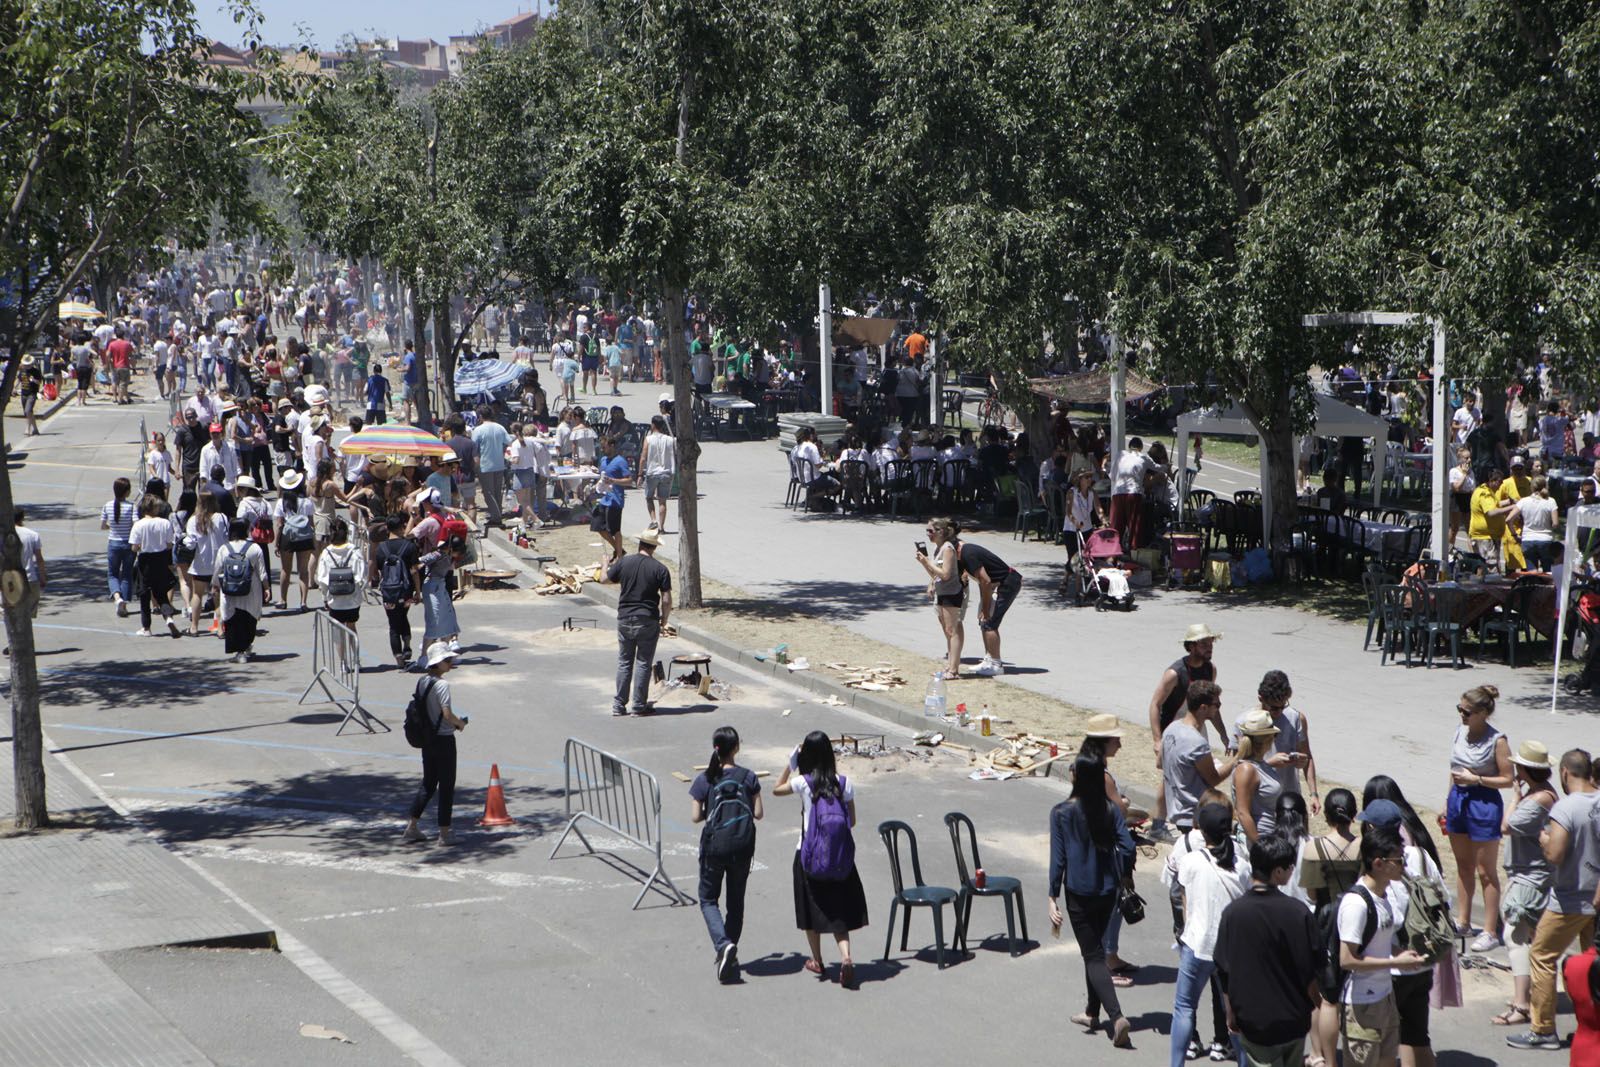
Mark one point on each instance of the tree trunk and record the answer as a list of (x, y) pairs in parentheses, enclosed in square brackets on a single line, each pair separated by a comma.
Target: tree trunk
[(676, 353), (419, 324), (447, 344), (1277, 445), (27, 736)]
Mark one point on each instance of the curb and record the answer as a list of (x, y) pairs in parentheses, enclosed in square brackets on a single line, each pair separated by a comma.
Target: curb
[(808, 681)]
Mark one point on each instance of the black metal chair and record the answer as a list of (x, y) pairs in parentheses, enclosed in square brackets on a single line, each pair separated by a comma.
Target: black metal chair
[(994, 885), (917, 895)]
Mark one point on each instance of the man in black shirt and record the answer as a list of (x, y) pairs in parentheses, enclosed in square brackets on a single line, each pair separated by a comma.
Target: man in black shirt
[(643, 603), (1268, 955), (998, 585), (189, 439)]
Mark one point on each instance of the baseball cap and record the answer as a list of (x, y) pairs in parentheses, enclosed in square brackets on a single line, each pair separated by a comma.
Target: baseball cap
[(1382, 813), (216, 427)]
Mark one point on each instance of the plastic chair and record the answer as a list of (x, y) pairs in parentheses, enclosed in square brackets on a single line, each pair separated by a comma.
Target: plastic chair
[(925, 485), (796, 487), (994, 885), (897, 484), (1441, 619), (1398, 625), (1247, 498), (1511, 621), (1030, 515), (853, 476), (917, 895), (1372, 584)]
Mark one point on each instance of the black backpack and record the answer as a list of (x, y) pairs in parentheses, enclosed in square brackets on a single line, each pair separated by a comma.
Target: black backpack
[(419, 727), (1333, 975), (394, 577), (342, 575), (236, 574), (730, 823)]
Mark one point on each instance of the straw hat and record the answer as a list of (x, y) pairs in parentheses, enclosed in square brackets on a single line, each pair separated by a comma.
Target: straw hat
[(1532, 754), (245, 482), (651, 536), (1199, 632), (1258, 723), (1103, 726)]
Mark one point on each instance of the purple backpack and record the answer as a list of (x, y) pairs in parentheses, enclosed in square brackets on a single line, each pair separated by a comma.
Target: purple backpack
[(828, 851)]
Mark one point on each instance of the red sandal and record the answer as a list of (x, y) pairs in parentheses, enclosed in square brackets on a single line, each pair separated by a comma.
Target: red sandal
[(815, 967)]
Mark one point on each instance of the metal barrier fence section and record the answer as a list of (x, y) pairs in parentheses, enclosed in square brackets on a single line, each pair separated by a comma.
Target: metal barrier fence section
[(140, 474), (620, 796), (336, 669)]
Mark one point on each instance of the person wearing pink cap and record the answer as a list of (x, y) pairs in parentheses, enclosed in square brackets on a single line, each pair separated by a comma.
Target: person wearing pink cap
[(220, 452)]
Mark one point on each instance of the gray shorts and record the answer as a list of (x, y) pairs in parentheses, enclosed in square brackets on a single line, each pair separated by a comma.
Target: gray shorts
[(469, 492), (657, 486)]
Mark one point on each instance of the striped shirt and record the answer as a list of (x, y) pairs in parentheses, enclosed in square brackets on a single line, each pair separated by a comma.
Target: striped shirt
[(119, 527)]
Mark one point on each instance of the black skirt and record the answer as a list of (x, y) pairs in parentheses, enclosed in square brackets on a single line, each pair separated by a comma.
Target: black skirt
[(828, 907)]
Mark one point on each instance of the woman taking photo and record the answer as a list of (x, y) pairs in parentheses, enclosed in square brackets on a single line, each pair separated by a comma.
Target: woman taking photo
[(292, 513), (1480, 766), (946, 589), (727, 798), (1091, 853), (1528, 874), (833, 902), (1256, 790), (117, 517)]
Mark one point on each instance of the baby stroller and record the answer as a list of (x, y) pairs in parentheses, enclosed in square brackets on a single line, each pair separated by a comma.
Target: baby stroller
[(1096, 571), (1185, 556)]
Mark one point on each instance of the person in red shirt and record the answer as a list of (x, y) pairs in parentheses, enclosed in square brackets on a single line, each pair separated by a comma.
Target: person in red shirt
[(1582, 975), (120, 355)]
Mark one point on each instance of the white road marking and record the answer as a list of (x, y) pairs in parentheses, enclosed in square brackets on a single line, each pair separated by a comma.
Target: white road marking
[(405, 1037), (399, 907), (388, 868)]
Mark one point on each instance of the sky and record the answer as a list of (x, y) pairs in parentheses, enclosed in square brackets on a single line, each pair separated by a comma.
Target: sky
[(329, 20)]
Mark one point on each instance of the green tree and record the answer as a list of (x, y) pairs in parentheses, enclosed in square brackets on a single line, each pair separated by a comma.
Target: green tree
[(117, 133)]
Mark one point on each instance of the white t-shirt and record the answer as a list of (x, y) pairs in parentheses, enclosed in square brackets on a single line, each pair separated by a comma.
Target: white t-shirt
[(151, 534), (1538, 518), (1131, 468), (1367, 987), (207, 543), (660, 454), (583, 442), (1208, 888), (529, 454), (31, 546), (325, 564)]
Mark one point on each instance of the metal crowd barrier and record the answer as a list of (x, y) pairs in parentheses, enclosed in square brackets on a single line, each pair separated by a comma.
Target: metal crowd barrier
[(336, 668), (620, 796), (140, 474)]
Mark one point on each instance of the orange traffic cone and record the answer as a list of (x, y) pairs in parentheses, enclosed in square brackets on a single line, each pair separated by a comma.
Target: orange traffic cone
[(494, 808)]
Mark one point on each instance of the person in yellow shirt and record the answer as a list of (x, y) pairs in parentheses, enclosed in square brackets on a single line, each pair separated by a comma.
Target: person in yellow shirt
[(1512, 490), (1486, 526)]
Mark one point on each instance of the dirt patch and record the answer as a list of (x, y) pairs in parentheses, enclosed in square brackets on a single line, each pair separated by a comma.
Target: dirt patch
[(578, 637)]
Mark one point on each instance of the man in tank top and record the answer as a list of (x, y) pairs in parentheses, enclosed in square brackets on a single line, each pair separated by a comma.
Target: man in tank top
[(1167, 702)]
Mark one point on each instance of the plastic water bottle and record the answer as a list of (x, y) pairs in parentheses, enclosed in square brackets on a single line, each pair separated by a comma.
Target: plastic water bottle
[(933, 701)]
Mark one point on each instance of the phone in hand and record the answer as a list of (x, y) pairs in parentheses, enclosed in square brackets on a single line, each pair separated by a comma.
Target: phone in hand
[(922, 547)]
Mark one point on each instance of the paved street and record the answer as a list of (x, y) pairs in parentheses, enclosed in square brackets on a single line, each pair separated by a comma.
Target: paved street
[(272, 823)]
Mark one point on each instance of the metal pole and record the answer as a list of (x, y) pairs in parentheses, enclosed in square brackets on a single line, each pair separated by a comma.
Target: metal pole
[(1441, 466), (933, 384), (825, 347), (1119, 392)]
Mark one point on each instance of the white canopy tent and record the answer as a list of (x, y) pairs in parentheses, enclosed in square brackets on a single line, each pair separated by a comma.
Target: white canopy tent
[(1334, 418), (1579, 518)]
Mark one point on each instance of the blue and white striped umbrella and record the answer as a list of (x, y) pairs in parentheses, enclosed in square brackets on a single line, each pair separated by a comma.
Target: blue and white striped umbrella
[(479, 376)]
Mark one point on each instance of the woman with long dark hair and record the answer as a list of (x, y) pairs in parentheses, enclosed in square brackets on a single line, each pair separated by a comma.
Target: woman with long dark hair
[(727, 798), (1292, 820), (151, 537), (207, 531), (1102, 739), (1329, 866), (1091, 854), (118, 517), (831, 902), (1211, 878)]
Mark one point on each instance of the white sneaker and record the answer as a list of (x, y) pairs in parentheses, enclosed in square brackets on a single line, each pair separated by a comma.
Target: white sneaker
[(455, 645), (142, 632), (122, 608), (988, 668)]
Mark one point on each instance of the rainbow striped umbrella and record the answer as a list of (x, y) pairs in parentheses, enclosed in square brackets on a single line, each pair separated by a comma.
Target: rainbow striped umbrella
[(394, 439), (74, 309)]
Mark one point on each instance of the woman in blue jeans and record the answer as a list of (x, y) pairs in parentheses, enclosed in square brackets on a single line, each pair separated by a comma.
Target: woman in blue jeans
[(117, 517), (1211, 878), (727, 798), (1091, 852)]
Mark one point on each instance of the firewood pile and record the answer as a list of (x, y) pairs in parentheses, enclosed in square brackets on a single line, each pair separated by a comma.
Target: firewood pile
[(1017, 755), (878, 678), (562, 580)]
